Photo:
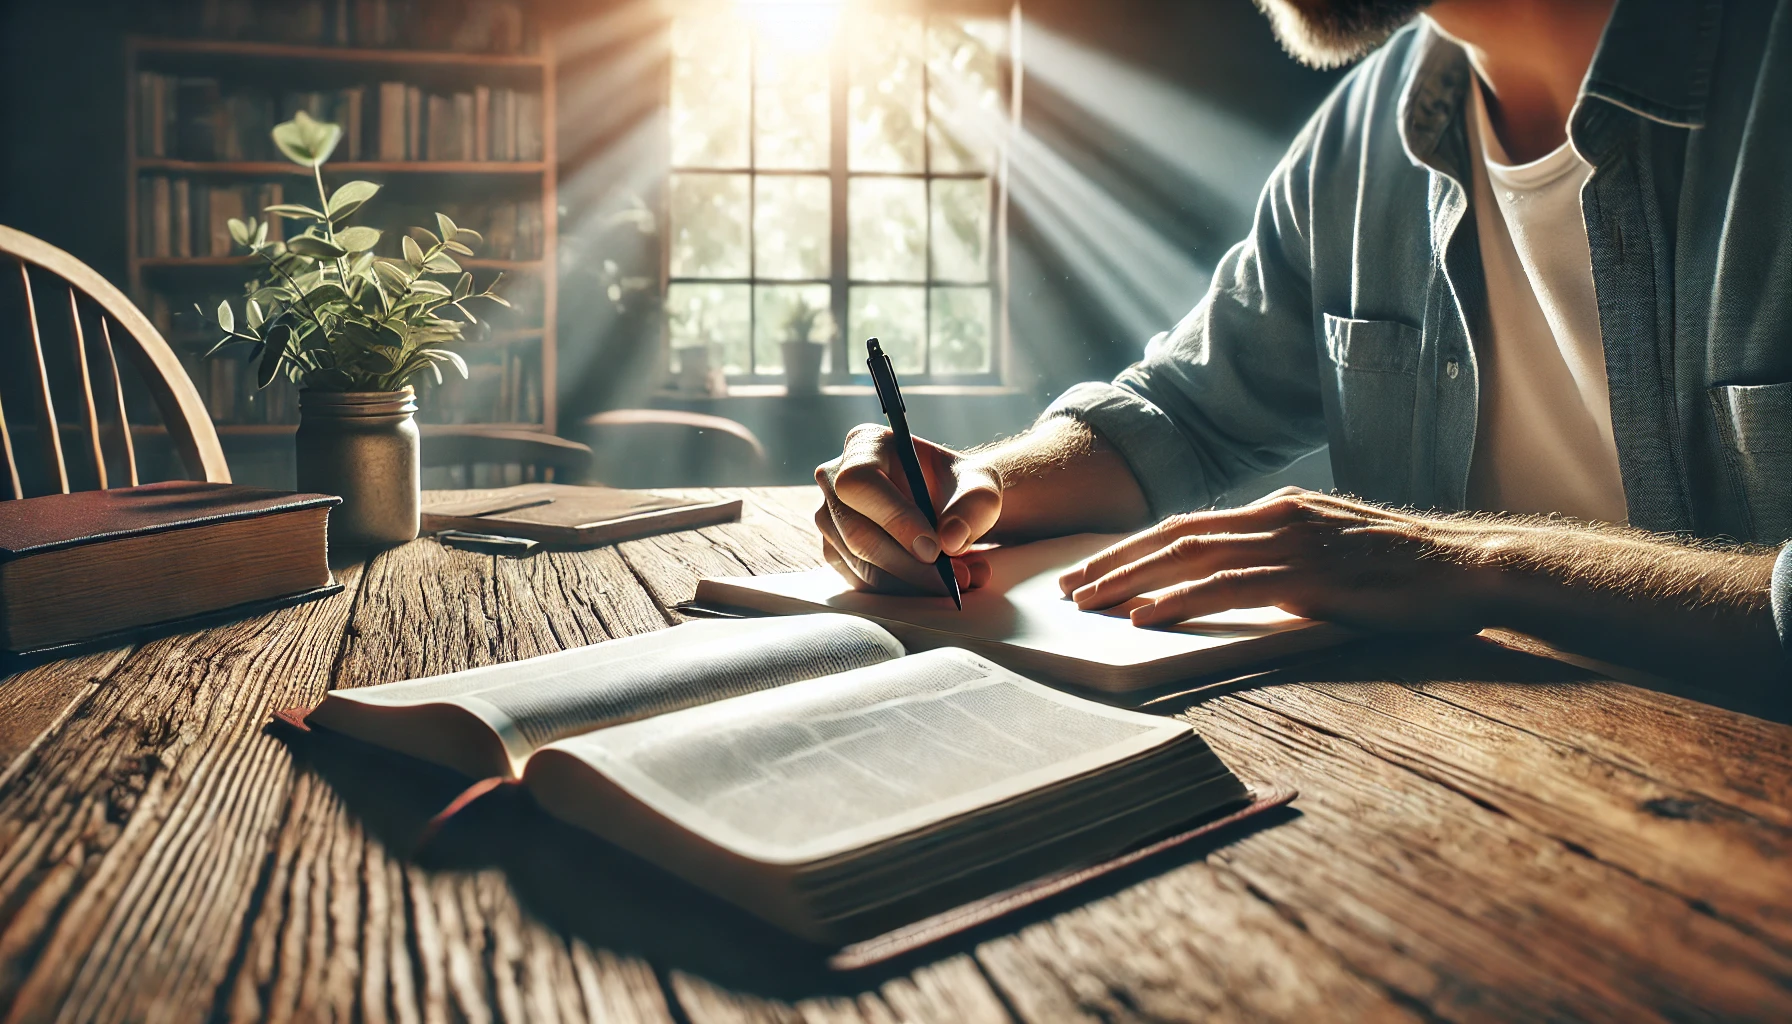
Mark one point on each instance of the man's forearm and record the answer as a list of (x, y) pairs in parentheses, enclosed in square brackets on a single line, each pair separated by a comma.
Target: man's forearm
[(1061, 477), (1702, 614)]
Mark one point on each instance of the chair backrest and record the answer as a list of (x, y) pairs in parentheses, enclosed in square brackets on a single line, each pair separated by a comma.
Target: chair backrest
[(532, 455), (673, 448), (46, 272)]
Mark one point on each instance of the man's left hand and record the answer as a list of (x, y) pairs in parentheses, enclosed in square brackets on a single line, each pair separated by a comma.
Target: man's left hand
[(1308, 553)]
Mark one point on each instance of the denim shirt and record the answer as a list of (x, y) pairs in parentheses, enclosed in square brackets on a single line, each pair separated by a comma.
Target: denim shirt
[(1347, 317)]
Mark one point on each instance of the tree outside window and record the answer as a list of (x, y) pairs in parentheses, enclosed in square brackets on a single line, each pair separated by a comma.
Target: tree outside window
[(835, 165)]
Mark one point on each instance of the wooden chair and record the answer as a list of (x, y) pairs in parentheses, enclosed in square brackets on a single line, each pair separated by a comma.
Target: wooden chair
[(93, 301), (529, 455), (672, 448)]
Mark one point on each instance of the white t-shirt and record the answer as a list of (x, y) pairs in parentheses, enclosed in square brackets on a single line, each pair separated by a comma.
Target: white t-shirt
[(1543, 441)]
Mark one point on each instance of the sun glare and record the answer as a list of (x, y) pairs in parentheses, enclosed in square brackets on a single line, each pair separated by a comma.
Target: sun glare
[(793, 26)]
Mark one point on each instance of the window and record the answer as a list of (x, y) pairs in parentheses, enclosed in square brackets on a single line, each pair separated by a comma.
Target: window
[(837, 165)]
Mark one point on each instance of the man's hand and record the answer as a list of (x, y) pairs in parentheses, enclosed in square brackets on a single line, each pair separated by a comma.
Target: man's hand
[(874, 535), (1311, 554)]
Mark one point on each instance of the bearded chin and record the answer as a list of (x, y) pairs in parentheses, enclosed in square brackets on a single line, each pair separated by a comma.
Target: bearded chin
[(1332, 33)]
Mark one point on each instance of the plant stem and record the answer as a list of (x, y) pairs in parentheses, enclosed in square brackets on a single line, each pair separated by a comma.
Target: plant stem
[(323, 203)]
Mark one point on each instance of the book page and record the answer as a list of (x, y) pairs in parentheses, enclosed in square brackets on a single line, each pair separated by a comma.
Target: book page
[(1022, 606), (534, 702), (834, 764)]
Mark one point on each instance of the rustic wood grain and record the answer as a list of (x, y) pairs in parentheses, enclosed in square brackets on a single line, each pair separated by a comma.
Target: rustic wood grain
[(1481, 835)]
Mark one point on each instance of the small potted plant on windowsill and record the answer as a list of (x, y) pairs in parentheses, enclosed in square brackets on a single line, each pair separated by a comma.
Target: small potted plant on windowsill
[(353, 330), (803, 352)]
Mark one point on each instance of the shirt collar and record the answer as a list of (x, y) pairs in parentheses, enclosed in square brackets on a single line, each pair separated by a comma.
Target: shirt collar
[(1654, 59)]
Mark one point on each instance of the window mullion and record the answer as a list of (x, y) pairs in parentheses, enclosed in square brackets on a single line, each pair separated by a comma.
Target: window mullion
[(838, 148), (752, 201)]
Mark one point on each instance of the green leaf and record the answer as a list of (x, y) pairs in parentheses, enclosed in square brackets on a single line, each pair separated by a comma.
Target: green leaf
[(413, 253), (453, 357), (349, 198), (396, 281), (442, 263), (256, 317), (270, 356), (426, 236), (467, 236), (261, 233), (294, 211), (463, 287), (239, 231), (358, 239), (457, 247), (306, 141), (446, 224), (227, 318), (424, 286), (311, 245), (324, 294)]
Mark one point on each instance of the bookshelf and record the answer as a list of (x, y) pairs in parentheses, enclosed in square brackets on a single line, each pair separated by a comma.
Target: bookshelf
[(514, 360)]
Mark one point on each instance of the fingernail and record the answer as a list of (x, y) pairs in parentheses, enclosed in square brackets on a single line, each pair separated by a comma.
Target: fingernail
[(1083, 593), (926, 548), (954, 534), (1143, 614), (1070, 581)]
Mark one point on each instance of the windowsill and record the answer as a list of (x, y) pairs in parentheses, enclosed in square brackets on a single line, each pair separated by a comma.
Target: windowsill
[(841, 391)]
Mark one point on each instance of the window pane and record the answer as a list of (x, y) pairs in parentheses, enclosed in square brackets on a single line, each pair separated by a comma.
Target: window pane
[(895, 317), (887, 218), (709, 225), (789, 312), (790, 226), (964, 93), (884, 97), (790, 116), (709, 92), (714, 315), (960, 235), (959, 333)]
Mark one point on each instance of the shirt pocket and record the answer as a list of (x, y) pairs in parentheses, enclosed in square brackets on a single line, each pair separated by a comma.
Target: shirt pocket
[(1754, 422), (1376, 363)]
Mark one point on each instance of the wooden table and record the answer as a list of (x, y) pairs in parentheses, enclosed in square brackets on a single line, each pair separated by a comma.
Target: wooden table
[(1480, 835)]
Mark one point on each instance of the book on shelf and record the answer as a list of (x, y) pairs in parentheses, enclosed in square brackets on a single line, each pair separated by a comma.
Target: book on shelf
[(197, 119), (463, 26), (809, 769)]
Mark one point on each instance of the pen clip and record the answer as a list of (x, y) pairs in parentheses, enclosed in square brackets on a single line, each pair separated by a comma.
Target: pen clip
[(888, 394)]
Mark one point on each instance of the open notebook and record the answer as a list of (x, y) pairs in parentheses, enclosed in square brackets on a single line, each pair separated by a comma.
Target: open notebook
[(1022, 620), (804, 767)]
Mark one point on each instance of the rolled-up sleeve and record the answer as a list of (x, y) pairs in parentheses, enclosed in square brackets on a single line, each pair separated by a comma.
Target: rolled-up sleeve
[(1232, 392), (1782, 600)]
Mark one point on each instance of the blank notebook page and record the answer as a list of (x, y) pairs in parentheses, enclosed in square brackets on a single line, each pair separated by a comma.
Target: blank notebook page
[(1023, 606)]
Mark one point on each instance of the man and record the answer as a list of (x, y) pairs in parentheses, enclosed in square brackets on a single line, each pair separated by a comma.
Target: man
[(1532, 256)]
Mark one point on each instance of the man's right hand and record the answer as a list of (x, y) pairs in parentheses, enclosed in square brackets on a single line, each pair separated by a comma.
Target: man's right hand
[(875, 536)]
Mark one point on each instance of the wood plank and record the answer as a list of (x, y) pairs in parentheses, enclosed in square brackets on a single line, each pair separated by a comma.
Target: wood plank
[(134, 835), (951, 991), (37, 701), (1463, 910)]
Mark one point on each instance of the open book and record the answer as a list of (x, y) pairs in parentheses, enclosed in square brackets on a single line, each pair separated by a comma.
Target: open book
[(804, 768), (1022, 620)]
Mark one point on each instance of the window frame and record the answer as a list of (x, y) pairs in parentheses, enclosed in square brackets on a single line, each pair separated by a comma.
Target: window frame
[(846, 358)]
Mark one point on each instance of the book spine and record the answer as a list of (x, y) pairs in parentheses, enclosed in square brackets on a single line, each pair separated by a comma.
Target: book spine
[(183, 218)]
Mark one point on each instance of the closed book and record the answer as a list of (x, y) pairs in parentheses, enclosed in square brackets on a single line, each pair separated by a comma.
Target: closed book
[(391, 121), (183, 218), (93, 564), (197, 99), (482, 122), (413, 123), (572, 515), (162, 241)]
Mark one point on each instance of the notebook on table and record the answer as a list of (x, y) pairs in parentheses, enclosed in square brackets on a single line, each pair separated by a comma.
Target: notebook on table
[(1023, 621), (580, 516), (810, 770)]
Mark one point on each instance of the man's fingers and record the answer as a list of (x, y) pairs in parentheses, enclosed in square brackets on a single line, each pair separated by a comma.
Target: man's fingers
[(865, 478), (970, 496), (875, 550), (1223, 591), (1191, 557)]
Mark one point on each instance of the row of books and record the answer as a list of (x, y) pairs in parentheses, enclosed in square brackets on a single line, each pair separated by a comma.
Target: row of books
[(195, 118), (465, 26), (186, 217), (179, 217)]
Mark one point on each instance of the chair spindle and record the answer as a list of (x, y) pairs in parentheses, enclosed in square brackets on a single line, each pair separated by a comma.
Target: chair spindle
[(52, 434), (117, 389), (92, 414)]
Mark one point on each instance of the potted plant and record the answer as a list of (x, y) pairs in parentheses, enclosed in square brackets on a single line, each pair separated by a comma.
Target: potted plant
[(802, 352), (354, 330)]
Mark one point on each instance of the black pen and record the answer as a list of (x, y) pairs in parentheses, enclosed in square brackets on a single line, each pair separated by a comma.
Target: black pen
[(883, 377)]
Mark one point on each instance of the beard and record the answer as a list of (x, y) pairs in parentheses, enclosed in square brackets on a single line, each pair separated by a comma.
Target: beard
[(1332, 33)]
